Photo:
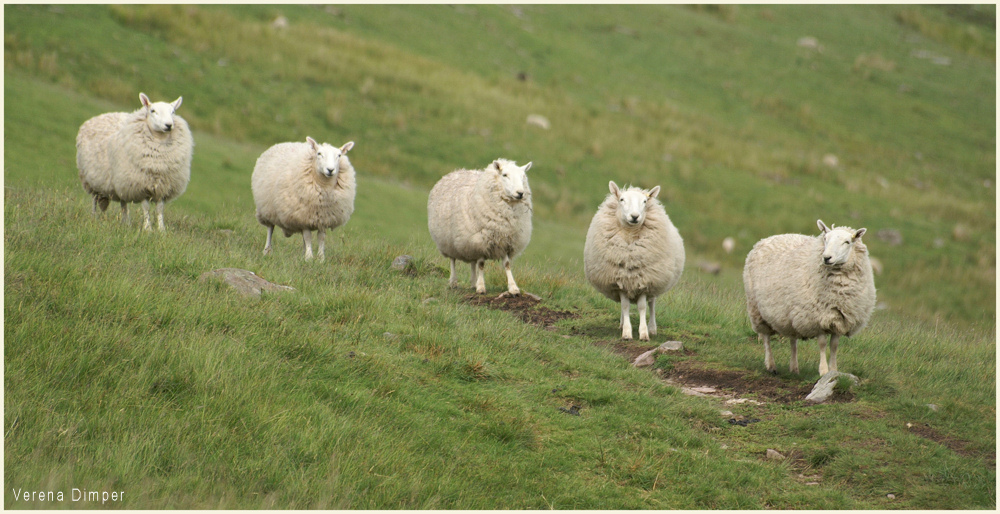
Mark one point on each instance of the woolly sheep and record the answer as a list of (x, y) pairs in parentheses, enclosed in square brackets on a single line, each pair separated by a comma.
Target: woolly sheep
[(802, 287), (633, 253), (480, 215), (149, 157), (302, 187)]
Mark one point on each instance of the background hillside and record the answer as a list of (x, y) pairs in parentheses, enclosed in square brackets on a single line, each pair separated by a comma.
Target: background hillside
[(370, 389)]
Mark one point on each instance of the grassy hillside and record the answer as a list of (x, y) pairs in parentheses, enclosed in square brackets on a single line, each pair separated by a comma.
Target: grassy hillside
[(367, 388)]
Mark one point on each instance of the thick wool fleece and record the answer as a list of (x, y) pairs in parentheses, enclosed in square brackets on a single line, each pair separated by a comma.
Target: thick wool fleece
[(92, 144), (291, 194), (148, 165), (647, 259), (469, 218), (790, 292)]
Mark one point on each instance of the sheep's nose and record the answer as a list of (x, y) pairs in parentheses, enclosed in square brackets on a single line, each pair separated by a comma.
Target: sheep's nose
[(520, 195), (827, 260), (168, 126), (330, 171), (635, 218)]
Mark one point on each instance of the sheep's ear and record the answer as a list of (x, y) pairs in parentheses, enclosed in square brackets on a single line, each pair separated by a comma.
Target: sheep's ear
[(144, 99), (496, 166), (822, 226), (312, 143), (653, 192), (177, 103), (859, 233), (614, 189), (347, 146), (526, 167)]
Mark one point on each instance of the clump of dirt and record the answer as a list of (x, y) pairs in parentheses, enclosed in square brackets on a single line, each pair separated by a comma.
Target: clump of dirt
[(691, 373), (626, 349), (956, 445), (524, 307)]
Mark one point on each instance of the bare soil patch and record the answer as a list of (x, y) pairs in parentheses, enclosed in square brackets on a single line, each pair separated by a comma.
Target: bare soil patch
[(524, 307), (956, 445), (766, 388)]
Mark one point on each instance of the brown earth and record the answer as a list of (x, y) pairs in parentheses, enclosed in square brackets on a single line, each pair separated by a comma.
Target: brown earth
[(524, 307)]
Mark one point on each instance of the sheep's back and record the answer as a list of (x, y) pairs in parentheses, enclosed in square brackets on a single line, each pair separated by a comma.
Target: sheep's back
[(647, 261), (147, 168), (92, 146)]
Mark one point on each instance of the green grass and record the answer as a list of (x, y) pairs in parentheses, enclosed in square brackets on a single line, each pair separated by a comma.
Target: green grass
[(125, 372)]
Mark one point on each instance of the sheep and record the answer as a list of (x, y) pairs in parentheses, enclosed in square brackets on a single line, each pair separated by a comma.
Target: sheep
[(149, 158), (802, 287), (302, 187), (480, 215), (633, 253)]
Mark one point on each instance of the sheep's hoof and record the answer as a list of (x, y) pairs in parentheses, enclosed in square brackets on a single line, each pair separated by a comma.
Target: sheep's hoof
[(644, 337), (509, 294), (773, 372), (480, 291)]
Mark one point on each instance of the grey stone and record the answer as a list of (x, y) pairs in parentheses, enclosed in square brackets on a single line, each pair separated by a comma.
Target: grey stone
[(244, 282), (823, 389), (932, 407), (774, 455), (670, 346), (403, 263), (646, 359)]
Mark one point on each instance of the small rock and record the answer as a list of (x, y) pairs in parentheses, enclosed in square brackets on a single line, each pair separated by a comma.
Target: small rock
[(961, 232), (831, 161), (740, 401), (876, 265), (280, 22), (890, 236), (670, 346), (810, 43), (932, 407), (646, 359), (891, 496), (710, 267), (403, 263), (244, 282), (726, 413), (774, 455), (728, 244), (703, 389), (723, 447), (812, 483), (823, 389), (539, 121)]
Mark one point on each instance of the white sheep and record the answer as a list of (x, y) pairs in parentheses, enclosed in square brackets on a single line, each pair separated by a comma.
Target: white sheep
[(480, 215), (302, 187), (802, 287), (149, 158), (633, 253)]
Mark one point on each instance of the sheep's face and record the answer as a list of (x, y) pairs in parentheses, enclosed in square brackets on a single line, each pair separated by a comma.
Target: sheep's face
[(513, 179), (838, 243), (632, 203), (160, 115), (327, 157)]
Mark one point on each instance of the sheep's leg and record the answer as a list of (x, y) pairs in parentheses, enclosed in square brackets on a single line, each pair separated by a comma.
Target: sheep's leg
[(626, 323), (834, 341), (452, 280), (103, 203), (321, 253), (94, 209), (768, 356), (823, 368), (159, 216), (643, 328), (475, 275), (481, 276), (267, 244), (652, 315), (124, 213), (512, 289), (145, 216), (307, 241), (793, 361)]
